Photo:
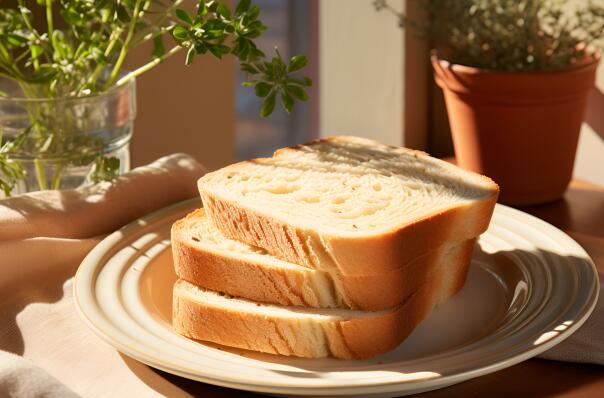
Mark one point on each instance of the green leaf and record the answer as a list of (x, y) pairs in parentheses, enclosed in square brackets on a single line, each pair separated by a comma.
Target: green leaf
[(255, 52), (224, 49), (262, 89), (214, 24), (184, 16), (306, 81), (297, 92), (223, 10), (5, 54), (249, 68), (256, 26), (44, 75), (212, 5), (11, 171), (201, 48), (242, 7), (268, 105), (60, 45), (254, 12), (15, 40), (242, 49), (180, 33), (73, 17), (36, 51), (214, 49), (202, 9), (287, 102), (190, 55), (122, 14), (262, 66), (297, 62), (105, 169), (158, 47)]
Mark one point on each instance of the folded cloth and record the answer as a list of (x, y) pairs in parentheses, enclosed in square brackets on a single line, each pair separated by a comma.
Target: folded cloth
[(587, 343), (101, 208), (43, 238), (20, 378)]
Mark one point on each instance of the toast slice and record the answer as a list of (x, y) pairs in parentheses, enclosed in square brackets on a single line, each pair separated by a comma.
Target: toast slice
[(348, 205), (208, 259), (304, 332)]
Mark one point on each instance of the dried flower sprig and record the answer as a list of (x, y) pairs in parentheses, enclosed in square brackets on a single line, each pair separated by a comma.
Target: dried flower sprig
[(511, 35)]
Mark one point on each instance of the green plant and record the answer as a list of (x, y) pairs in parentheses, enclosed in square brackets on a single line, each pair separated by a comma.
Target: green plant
[(82, 54), (511, 35)]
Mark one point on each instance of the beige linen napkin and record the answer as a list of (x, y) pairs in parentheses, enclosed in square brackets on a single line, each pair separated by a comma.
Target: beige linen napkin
[(43, 238)]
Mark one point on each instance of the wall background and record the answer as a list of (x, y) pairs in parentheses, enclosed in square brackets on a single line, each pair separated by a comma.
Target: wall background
[(361, 70), (185, 109), (589, 164)]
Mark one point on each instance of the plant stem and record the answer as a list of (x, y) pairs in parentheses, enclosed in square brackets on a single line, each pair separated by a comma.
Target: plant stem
[(40, 174), (125, 48), (113, 39), (56, 176), (158, 22), (150, 36), (148, 66), (36, 63), (25, 18), (49, 18)]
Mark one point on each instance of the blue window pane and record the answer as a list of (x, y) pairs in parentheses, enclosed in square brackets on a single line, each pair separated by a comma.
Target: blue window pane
[(288, 28)]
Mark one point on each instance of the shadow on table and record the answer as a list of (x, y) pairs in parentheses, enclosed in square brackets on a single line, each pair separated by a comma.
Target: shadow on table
[(25, 279), (174, 386), (557, 379)]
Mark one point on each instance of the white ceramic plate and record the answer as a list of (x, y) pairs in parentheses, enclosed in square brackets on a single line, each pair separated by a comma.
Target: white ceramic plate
[(530, 286)]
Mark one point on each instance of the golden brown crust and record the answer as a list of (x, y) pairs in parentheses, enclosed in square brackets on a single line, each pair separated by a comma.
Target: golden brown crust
[(350, 255), (360, 337), (388, 250), (250, 278), (347, 253), (388, 290)]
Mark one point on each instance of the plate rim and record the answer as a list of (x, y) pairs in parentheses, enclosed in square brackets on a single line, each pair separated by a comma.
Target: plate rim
[(88, 270)]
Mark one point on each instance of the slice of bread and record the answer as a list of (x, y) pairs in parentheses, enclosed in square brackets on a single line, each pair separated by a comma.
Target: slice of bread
[(206, 258), (300, 331), (348, 204)]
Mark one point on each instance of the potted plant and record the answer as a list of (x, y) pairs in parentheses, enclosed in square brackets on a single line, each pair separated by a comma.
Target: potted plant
[(515, 77), (66, 104)]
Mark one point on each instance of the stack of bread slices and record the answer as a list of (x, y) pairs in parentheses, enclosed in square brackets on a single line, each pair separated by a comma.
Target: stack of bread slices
[(339, 247)]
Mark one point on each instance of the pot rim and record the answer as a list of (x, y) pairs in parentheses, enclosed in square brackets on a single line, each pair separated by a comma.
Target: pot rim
[(589, 61)]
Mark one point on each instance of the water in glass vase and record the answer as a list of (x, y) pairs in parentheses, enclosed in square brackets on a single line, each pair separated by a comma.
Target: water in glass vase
[(62, 143)]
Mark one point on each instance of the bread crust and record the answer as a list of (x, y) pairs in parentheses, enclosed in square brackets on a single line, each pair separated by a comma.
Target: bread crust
[(349, 254), (250, 278), (353, 338)]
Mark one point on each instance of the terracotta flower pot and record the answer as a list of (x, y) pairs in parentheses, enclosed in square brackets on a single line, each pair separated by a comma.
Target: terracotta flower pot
[(519, 128)]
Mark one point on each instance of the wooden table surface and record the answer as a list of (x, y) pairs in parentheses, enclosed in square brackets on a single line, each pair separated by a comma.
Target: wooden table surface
[(581, 215)]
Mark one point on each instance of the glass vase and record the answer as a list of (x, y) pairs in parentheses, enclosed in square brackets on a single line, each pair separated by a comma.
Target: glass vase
[(63, 143)]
